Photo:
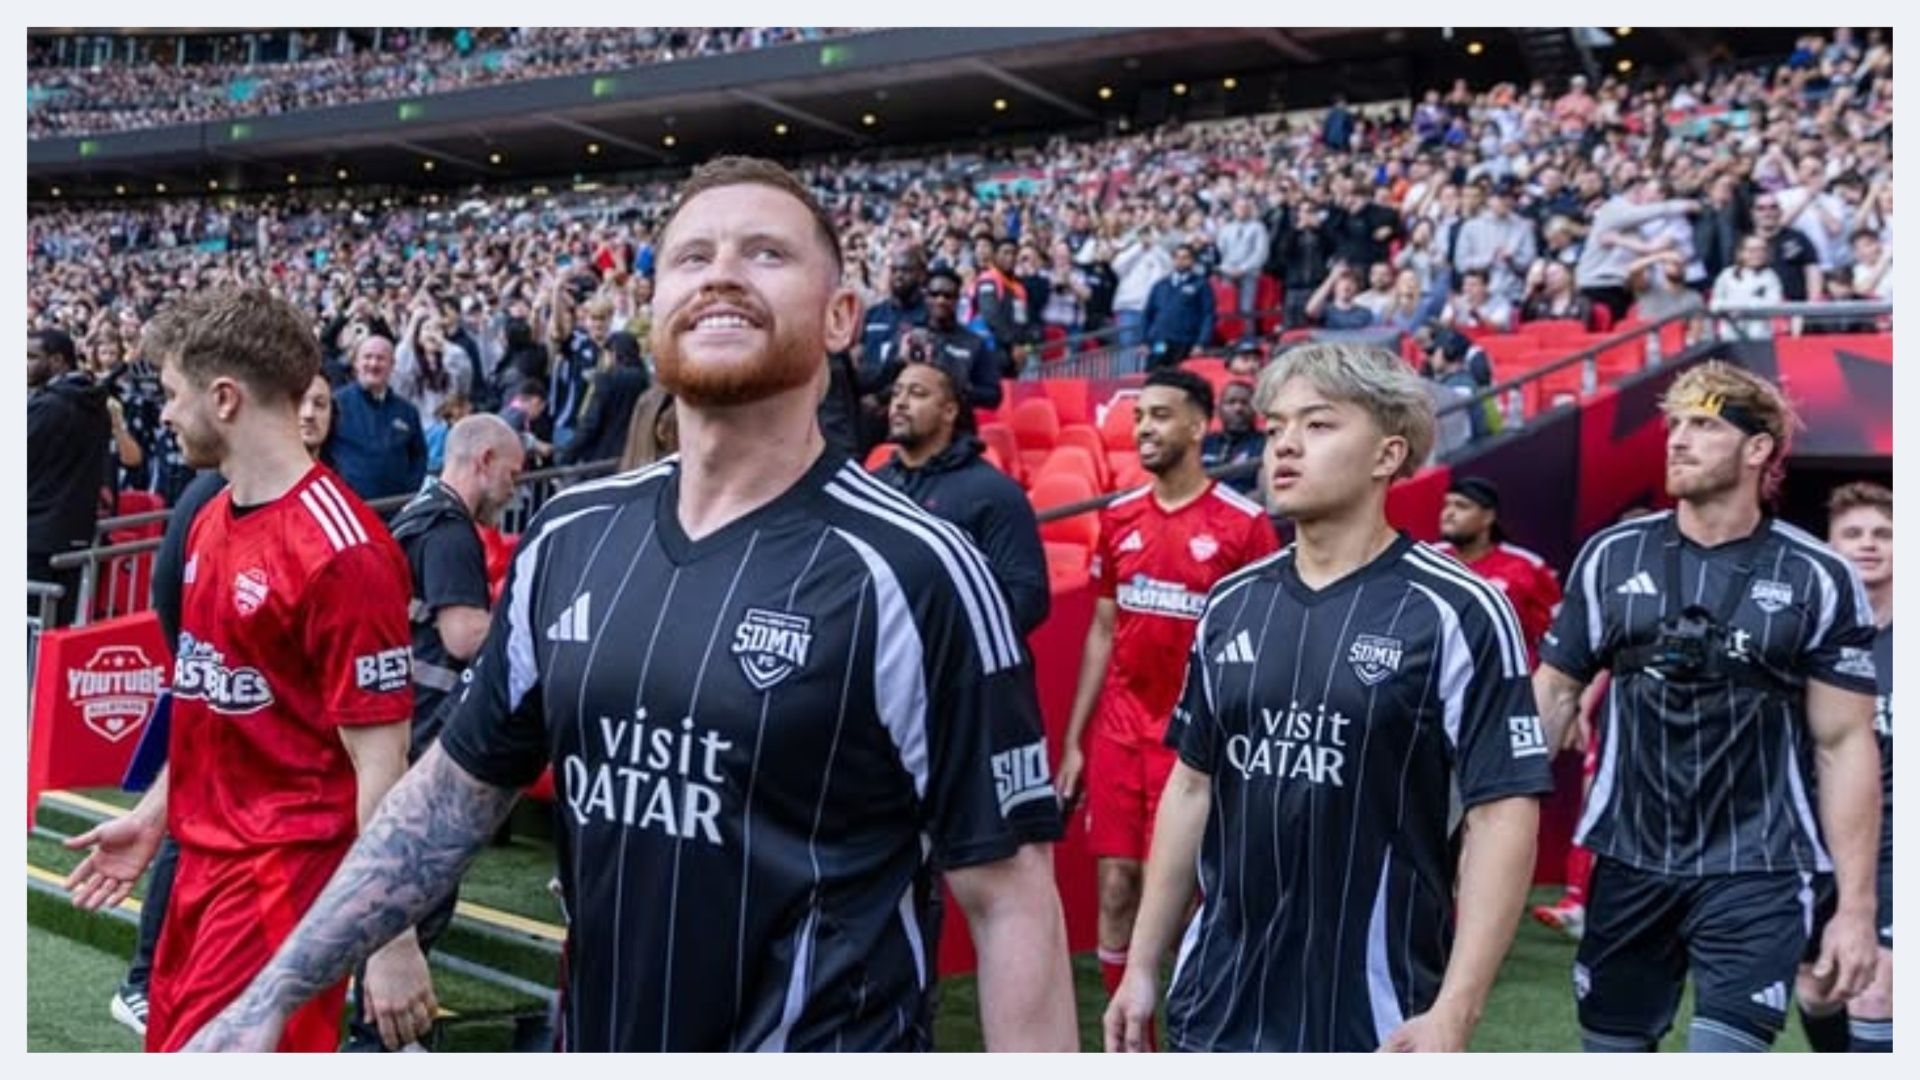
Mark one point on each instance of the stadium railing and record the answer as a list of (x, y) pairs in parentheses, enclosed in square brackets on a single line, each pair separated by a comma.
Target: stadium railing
[(114, 577), (45, 596)]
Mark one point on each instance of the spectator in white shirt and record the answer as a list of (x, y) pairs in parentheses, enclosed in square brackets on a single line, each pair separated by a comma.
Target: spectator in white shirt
[(1749, 282), (1872, 267), (1476, 308)]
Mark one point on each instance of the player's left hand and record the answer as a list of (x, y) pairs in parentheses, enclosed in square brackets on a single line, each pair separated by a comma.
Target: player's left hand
[(1848, 955), (1434, 1032), (399, 992)]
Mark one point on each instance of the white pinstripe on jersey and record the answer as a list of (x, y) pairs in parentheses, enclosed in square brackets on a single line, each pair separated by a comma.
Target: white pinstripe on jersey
[(1506, 625)]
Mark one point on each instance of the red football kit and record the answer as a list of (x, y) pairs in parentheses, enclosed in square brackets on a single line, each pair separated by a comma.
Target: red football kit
[(293, 623), (1156, 567), (1530, 584)]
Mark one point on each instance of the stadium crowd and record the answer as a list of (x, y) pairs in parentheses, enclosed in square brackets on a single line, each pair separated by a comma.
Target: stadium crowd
[(318, 69), (1471, 212), (1478, 210)]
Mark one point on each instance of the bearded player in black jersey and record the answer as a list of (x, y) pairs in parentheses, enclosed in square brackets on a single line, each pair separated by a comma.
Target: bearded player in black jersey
[(775, 696), (1743, 672)]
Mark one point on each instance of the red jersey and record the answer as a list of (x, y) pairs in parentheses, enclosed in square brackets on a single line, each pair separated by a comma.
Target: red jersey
[(1157, 568), (293, 622), (1530, 584)]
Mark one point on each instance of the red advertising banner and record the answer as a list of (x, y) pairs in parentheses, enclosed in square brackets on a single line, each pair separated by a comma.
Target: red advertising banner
[(94, 691)]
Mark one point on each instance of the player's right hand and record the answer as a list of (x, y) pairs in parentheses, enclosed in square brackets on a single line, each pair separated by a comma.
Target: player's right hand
[(121, 850), (1130, 1013), (1073, 767)]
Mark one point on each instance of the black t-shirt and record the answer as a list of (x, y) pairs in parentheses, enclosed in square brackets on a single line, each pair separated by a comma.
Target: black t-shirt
[(1792, 254), (1883, 726), (169, 563), (1710, 777), (1345, 730), (449, 569), (762, 743)]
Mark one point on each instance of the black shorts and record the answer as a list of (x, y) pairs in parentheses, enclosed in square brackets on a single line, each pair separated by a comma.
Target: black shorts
[(1883, 888), (1741, 936)]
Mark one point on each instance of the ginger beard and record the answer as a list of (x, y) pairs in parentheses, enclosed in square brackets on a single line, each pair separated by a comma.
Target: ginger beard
[(707, 369)]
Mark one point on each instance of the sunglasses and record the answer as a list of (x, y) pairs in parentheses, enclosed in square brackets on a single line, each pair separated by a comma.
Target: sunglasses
[(949, 294)]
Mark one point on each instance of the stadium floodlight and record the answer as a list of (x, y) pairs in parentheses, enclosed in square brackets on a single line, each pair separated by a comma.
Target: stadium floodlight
[(495, 158), (999, 104), (1106, 93), (1475, 48), (427, 165), (293, 178), (119, 189), (1230, 83), (1624, 66), (779, 129), (1623, 31), (1179, 89), (868, 119), (56, 193), (160, 188), (593, 149), (213, 185), (668, 141)]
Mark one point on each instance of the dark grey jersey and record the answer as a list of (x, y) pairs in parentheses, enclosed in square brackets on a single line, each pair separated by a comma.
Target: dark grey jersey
[(1883, 727), (1343, 729), (1715, 775), (761, 742)]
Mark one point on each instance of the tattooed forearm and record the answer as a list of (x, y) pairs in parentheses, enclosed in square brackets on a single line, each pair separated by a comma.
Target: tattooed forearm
[(409, 858)]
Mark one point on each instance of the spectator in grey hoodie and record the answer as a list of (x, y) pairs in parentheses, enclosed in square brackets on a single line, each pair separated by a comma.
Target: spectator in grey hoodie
[(1243, 246), (1499, 242), (1141, 263), (1614, 242)]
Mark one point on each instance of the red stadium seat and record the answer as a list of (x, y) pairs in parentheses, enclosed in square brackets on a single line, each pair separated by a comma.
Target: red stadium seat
[(1084, 437), (1556, 331), (1061, 489), (1036, 428), (1072, 459), (1269, 297), (1053, 347), (1227, 323), (1116, 428), (1127, 473), (999, 439), (1602, 319)]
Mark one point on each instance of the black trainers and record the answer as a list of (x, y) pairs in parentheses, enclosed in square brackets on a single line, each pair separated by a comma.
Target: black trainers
[(129, 1007)]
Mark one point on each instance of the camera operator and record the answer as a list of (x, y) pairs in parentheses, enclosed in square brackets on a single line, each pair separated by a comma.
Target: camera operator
[(954, 345), (1743, 670)]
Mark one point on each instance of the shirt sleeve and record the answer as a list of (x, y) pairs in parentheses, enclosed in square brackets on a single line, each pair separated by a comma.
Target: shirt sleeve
[(1577, 643), (1493, 726), (987, 787), (452, 567), (358, 638), (494, 726), (1194, 731), (1840, 652), (1101, 569)]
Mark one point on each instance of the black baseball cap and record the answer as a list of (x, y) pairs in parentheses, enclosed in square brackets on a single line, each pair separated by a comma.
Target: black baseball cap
[(1477, 488)]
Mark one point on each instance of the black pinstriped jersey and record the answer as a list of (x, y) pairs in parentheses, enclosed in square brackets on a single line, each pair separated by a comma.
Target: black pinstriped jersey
[(1711, 776), (761, 741), (1883, 727), (1343, 729)]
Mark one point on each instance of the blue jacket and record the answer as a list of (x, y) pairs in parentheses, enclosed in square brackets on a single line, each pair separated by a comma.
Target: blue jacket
[(1180, 309), (378, 447), (884, 322)]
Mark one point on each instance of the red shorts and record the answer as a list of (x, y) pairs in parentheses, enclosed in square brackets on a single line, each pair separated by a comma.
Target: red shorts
[(226, 918), (1124, 780)]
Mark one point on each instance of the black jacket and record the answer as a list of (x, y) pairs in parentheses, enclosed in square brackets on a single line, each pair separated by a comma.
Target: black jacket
[(960, 349), (958, 486), (170, 563), (67, 432), (602, 433)]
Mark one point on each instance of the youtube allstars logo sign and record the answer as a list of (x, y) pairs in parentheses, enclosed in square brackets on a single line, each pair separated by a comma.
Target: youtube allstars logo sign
[(115, 690)]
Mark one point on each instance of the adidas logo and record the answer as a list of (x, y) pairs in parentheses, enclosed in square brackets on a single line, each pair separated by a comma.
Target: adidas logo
[(1773, 997), (1238, 651), (1640, 584), (1133, 542), (572, 623)]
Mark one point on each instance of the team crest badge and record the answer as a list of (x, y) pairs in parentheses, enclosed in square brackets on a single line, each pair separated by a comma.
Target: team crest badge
[(1771, 597), (1203, 547), (249, 590), (1373, 658), (771, 645)]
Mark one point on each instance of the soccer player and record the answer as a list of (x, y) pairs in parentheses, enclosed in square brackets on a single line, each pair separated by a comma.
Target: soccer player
[(1470, 531), (1860, 527), (1161, 548), (1742, 658), (290, 691), (775, 694), (1340, 695)]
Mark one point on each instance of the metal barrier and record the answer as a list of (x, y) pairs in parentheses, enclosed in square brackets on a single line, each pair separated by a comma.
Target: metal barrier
[(1746, 322), (126, 567), (48, 596), (1514, 390)]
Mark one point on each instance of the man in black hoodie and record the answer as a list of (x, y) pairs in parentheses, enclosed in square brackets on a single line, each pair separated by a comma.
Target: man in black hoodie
[(939, 466), (610, 396), (67, 428)]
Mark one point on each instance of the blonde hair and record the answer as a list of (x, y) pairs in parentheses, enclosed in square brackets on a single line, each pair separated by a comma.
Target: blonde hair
[(1367, 376), (1717, 385)]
